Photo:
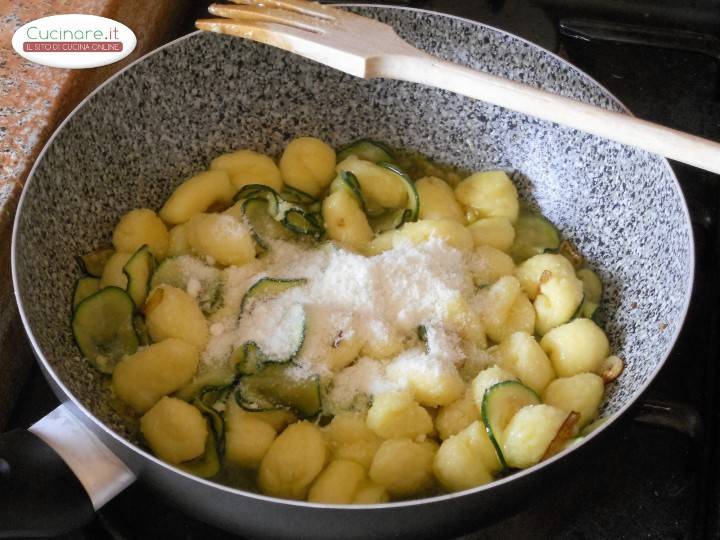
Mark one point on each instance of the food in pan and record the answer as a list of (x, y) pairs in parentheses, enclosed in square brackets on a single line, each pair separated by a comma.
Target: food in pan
[(346, 327)]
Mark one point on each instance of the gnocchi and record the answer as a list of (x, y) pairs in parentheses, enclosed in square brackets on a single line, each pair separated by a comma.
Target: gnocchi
[(350, 438), (529, 434), (143, 378), (247, 437), (497, 232), (397, 414), (576, 347), (453, 418), (338, 483), (172, 313), (330, 328), (403, 467), (581, 393), (344, 219), (308, 164), (379, 185), (293, 461), (491, 194), (220, 238), (175, 430), (140, 227), (113, 275), (248, 167), (467, 459), (437, 200), (197, 194)]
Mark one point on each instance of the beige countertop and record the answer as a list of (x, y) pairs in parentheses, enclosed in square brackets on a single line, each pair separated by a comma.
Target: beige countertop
[(33, 101)]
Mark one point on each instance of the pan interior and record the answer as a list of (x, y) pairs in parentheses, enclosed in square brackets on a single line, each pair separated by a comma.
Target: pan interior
[(166, 117)]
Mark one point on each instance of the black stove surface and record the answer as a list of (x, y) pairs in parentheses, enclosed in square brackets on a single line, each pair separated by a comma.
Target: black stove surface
[(655, 474)]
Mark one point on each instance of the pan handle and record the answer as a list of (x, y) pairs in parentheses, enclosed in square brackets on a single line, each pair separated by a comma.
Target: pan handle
[(54, 476)]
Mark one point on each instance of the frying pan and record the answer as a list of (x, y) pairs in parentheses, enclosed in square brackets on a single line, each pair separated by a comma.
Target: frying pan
[(165, 117)]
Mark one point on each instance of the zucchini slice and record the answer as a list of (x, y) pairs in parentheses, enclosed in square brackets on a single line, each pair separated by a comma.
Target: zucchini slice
[(389, 220), (206, 382), (295, 217), (367, 149), (413, 198), (267, 288), (293, 195), (103, 328), (394, 219), (422, 336), (139, 269), (177, 272), (533, 235), (302, 223), (208, 464), (500, 403), (274, 388), (84, 287), (347, 180), (141, 330), (262, 223), (93, 263), (249, 358), (592, 289)]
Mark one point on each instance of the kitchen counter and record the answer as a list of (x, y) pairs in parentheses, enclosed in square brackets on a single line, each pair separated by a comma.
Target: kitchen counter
[(33, 101)]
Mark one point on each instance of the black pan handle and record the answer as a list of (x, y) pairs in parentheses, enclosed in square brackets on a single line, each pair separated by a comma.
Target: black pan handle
[(55, 475), (39, 493), (679, 417)]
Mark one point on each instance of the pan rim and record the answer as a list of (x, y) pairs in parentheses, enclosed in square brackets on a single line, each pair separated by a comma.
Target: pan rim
[(438, 499)]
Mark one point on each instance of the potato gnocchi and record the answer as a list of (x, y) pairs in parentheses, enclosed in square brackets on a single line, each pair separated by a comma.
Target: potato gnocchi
[(327, 327)]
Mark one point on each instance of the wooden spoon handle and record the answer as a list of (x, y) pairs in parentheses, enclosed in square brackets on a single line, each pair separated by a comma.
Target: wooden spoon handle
[(424, 69)]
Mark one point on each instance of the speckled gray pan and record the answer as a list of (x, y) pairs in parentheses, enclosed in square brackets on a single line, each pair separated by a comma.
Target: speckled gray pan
[(167, 116)]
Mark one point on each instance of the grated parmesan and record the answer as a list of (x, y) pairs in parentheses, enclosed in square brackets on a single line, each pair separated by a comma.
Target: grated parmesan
[(346, 296)]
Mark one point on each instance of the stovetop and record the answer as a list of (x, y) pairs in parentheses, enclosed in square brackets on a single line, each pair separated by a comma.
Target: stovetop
[(656, 473)]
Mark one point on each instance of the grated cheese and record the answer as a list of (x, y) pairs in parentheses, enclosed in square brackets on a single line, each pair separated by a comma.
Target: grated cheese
[(377, 298)]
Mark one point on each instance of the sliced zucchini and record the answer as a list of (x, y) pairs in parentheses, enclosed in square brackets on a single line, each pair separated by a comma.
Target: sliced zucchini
[(139, 270), (500, 403), (208, 464), (422, 333), (533, 235), (395, 218), (418, 165), (210, 380), (593, 290), (295, 217), (347, 180), (259, 191), (141, 330), (262, 223), (274, 388), (367, 149), (389, 220), (413, 198), (177, 272), (293, 195), (84, 287), (302, 222), (422, 336), (93, 263), (103, 328), (267, 288), (249, 358)]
